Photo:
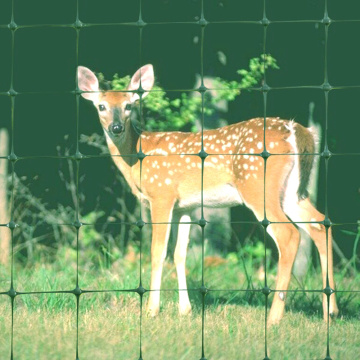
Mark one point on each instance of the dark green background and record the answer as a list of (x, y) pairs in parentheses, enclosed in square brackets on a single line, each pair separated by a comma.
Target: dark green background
[(45, 61)]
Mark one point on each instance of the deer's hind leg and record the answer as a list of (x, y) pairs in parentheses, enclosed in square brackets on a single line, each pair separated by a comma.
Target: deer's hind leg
[(287, 238), (322, 237), (283, 232)]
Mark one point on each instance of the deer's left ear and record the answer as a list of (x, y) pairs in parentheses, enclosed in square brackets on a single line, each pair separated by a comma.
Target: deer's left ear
[(87, 81), (145, 75)]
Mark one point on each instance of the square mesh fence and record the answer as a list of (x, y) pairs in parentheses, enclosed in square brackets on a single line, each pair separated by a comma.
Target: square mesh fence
[(139, 43)]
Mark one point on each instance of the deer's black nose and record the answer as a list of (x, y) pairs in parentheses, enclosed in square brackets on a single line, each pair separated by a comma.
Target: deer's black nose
[(116, 128)]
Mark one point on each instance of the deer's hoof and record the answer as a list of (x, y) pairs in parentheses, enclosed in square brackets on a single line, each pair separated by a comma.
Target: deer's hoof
[(185, 310), (333, 315), (152, 312)]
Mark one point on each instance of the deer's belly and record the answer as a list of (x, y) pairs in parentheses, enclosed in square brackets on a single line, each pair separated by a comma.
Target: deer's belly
[(222, 196)]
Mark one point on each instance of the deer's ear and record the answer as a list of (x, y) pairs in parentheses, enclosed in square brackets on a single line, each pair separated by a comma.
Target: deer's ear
[(146, 75), (87, 81)]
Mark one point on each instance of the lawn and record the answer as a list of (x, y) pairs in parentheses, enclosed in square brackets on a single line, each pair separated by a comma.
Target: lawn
[(45, 325)]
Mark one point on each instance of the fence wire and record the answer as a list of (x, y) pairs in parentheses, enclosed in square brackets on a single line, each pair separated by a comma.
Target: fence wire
[(78, 157)]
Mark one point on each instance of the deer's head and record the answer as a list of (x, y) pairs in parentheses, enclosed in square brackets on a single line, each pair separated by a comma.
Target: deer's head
[(114, 108)]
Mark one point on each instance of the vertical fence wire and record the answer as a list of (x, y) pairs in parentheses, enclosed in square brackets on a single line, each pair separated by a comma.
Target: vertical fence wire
[(78, 25)]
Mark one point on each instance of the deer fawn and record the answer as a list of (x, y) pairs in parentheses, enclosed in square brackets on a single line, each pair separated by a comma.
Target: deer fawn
[(220, 168)]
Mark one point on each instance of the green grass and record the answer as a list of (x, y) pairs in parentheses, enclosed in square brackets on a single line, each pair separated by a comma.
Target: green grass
[(111, 331), (109, 323)]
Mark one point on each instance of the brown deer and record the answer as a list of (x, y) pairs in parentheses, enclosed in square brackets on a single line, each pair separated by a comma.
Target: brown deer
[(216, 168)]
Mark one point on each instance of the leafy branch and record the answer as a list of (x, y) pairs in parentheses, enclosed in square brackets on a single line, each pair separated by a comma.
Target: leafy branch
[(165, 114)]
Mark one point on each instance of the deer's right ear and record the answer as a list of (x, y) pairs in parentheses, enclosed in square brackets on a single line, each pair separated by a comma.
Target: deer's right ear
[(87, 81), (145, 76)]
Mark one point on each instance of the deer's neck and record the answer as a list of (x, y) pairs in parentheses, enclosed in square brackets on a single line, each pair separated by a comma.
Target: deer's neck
[(123, 150)]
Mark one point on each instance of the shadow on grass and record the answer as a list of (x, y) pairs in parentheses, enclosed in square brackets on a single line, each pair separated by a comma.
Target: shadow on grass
[(307, 303)]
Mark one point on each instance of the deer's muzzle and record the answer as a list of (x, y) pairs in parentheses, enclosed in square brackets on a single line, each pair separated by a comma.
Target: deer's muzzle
[(116, 128)]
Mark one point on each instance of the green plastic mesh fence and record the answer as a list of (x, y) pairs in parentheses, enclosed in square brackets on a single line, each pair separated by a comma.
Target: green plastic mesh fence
[(265, 154)]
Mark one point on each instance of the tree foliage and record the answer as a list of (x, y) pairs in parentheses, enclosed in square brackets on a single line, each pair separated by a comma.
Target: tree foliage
[(163, 113)]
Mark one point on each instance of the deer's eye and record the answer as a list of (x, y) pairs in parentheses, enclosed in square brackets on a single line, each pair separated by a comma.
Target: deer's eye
[(102, 107), (128, 107)]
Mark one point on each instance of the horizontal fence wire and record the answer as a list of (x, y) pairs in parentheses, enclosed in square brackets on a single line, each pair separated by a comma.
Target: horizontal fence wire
[(78, 157)]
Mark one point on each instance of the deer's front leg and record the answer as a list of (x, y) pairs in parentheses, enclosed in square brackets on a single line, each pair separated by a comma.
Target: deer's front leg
[(180, 263), (161, 215)]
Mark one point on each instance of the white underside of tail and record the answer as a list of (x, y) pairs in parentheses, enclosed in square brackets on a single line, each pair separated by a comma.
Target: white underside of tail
[(290, 204), (291, 200)]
